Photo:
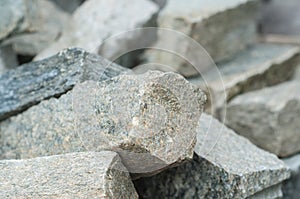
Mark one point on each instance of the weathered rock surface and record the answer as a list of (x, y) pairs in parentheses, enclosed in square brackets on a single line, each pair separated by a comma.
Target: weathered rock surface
[(269, 117), (97, 20), (75, 175), (230, 23), (255, 68), (8, 59), (30, 25), (31, 83), (291, 187), (225, 165), (149, 119)]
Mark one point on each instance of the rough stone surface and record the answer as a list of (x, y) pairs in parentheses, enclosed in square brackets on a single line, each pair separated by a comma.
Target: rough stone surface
[(97, 20), (269, 117), (8, 59), (225, 165), (255, 68), (230, 23), (149, 119), (30, 25), (75, 175), (291, 187), (31, 83)]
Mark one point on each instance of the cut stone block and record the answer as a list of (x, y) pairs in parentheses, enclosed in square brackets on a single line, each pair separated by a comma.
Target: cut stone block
[(149, 119), (30, 25), (225, 165), (269, 117), (97, 20), (8, 59), (291, 187), (223, 28), (75, 175), (31, 83), (255, 68)]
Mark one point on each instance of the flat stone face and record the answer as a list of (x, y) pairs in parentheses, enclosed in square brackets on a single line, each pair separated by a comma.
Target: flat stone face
[(231, 23), (95, 21), (269, 117), (74, 175), (255, 68), (31, 25), (31, 83), (291, 187), (149, 119), (8, 59), (225, 165)]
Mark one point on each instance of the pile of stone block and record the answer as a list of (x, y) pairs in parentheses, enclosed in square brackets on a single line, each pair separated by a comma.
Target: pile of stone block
[(76, 123)]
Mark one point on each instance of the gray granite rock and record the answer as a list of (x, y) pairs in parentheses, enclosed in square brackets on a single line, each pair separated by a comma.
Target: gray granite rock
[(8, 59), (269, 117), (75, 175), (31, 83), (291, 187), (97, 20), (225, 165), (31, 25), (255, 68), (223, 28), (149, 119)]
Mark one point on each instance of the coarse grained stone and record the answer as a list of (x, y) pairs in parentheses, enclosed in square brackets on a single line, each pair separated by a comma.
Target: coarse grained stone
[(269, 117), (149, 119), (291, 187), (223, 28), (255, 68), (73, 175), (31, 83), (225, 165), (32, 25), (97, 20), (8, 59)]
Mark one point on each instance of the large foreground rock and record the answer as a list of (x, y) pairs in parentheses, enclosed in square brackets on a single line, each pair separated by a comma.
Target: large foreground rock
[(149, 119), (97, 20), (30, 25), (225, 165), (269, 117), (223, 28), (75, 175), (31, 83), (291, 187), (255, 68)]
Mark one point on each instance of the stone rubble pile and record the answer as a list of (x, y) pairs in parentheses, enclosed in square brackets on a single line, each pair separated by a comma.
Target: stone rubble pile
[(78, 123)]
